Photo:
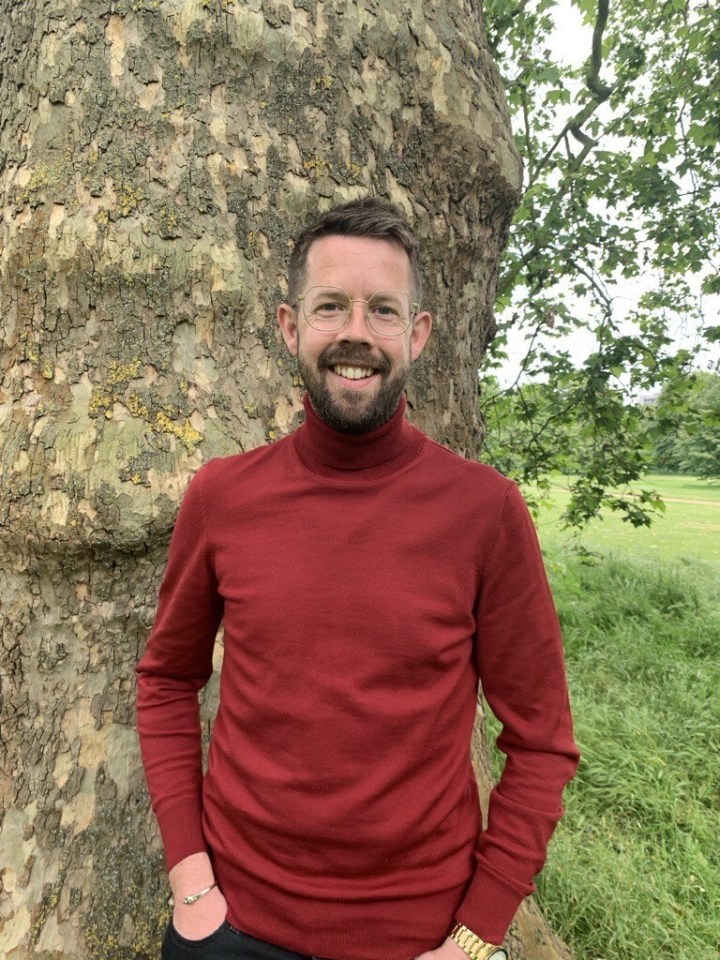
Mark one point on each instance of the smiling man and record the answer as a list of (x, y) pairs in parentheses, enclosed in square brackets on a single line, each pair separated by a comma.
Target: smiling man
[(368, 580), (355, 329)]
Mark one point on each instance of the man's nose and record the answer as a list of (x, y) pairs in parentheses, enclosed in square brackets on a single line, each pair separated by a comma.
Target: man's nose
[(356, 327)]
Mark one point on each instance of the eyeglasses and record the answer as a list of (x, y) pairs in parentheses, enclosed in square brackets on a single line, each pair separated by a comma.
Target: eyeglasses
[(387, 312)]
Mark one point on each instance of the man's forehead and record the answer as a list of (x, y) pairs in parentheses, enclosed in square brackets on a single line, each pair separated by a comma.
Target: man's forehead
[(343, 254)]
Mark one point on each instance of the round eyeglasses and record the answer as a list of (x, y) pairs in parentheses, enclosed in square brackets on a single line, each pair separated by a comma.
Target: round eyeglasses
[(388, 313)]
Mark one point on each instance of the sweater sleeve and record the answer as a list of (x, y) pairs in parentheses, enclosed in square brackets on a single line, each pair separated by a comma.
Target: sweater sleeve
[(521, 666), (176, 664)]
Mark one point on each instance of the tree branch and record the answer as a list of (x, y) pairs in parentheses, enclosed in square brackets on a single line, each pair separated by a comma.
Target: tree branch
[(575, 124), (601, 90), (542, 237), (582, 137), (600, 293), (528, 138)]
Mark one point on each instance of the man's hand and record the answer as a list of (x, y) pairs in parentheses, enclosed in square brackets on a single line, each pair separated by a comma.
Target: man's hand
[(448, 950), (203, 917)]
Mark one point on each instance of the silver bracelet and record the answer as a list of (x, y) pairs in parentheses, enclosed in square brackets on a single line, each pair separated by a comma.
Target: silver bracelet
[(193, 897)]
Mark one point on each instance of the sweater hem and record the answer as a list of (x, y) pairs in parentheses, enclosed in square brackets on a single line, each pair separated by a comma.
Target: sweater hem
[(333, 929)]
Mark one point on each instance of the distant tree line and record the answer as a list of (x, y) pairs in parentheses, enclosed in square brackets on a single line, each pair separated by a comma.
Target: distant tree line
[(538, 430), (687, 440)]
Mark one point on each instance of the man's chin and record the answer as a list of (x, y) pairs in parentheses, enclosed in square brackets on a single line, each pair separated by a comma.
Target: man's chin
[(354, 411), (351, 417)]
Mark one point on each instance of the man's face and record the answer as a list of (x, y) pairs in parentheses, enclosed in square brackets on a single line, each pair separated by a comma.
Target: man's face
[(361, 266)]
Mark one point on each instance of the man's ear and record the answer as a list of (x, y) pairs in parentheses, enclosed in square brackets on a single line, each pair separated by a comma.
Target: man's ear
[(422, 325), (287, 320)]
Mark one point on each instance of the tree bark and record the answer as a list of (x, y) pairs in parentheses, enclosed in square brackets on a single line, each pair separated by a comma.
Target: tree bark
[(156, 157)]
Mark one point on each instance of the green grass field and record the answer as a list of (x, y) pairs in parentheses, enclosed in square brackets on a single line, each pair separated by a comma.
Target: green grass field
[(634, 868), (688, 530)]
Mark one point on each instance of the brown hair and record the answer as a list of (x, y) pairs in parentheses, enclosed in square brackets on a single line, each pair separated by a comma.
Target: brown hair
[(367, 217)]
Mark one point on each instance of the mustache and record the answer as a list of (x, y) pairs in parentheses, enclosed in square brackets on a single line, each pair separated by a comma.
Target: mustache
[(350, 356)]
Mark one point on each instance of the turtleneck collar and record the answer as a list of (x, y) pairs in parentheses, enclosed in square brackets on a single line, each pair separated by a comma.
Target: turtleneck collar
[(361, 456)]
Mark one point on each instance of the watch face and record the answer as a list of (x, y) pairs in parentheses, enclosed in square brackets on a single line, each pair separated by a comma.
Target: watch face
[(498, 954)]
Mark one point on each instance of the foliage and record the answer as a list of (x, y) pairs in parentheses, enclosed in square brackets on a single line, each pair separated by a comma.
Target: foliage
[(535, 432), (687, 440), (622, 174)]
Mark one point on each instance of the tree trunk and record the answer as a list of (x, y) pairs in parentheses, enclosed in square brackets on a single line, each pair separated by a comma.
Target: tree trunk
[(156, 157)]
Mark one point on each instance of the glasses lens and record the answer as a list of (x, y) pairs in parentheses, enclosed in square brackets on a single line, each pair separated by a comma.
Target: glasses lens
[(388, 312), (326, 308)]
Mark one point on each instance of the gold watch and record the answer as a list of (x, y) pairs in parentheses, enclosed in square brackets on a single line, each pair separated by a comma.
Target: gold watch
[(474, 947)]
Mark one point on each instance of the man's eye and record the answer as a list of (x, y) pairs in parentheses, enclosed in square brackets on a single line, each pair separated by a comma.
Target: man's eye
[(329, 307), (385, 311)]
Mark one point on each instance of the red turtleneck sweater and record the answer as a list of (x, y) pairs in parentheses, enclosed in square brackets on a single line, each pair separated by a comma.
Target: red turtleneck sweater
[(365, 584)]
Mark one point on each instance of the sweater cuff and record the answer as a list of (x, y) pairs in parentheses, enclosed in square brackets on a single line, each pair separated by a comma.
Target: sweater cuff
[(182, 832), (490, 903)]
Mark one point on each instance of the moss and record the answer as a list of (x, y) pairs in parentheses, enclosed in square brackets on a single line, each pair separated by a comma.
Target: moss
[(100, 403), (52, 176), (137, 406), (128, 200), (317, 166), (48, 905), (185, 432), (122, 373)]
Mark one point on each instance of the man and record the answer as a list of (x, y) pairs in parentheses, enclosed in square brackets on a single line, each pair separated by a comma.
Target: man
[(367, 579)]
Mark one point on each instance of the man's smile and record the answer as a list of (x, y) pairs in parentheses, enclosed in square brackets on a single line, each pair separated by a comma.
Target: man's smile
[(352, 373)]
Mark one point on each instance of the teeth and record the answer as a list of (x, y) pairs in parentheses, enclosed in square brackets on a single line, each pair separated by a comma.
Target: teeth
[(354, 373)]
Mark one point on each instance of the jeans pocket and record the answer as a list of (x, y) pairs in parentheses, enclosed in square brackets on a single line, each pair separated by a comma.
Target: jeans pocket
[(177, 947)]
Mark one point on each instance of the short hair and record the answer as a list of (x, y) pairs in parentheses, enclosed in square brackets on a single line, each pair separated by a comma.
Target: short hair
[(366, 217)]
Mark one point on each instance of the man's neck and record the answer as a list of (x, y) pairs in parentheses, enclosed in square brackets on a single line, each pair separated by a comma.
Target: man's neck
[(337, 454)]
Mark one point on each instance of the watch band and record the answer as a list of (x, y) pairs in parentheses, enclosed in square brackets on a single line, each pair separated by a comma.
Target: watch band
[(474, 946)]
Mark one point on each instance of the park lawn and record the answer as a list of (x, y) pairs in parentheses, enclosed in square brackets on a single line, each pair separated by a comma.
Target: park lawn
[(688, 530), (634, 867), (677, 485)]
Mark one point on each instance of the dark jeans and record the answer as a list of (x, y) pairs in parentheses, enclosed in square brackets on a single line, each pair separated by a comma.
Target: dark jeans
[(227, 943)]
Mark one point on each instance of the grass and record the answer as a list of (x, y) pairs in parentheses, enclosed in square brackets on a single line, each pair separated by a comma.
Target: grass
[(689, 530), (675, 485), (634, 868)]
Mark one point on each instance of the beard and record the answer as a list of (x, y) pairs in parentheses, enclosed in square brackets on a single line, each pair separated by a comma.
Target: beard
[(354, 412)]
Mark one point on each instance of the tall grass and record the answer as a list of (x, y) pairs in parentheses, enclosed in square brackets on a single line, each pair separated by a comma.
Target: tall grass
[(634, 868)]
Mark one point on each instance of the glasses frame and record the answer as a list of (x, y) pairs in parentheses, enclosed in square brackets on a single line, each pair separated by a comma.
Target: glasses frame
[(414, 310)]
